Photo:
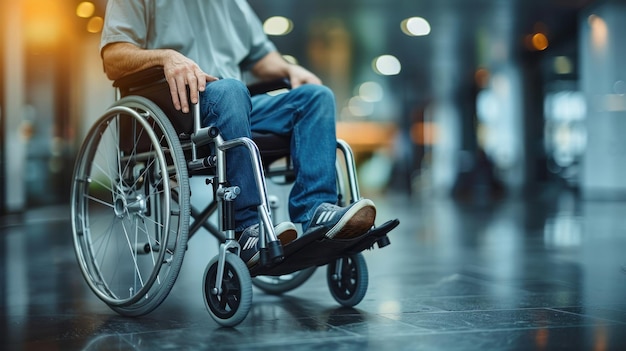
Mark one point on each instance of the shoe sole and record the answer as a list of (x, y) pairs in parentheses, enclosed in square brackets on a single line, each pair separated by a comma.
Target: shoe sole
[(356, 222), (286, 236)]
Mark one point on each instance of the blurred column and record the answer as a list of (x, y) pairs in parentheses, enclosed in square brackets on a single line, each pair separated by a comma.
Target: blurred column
[(445, 111), (502, 132), (14, 148), (603, 76)]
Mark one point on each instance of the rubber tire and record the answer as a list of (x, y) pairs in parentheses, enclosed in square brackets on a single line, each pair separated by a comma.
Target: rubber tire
[(159, 285), (277, 285), (236, 283), (352, 287)]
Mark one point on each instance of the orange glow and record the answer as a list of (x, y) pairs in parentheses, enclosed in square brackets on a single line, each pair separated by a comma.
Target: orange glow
[(85, 9), (424, 133), (95, 24), (536, 42), (482, 77), (43, 22), (541, 338), (599, 32), (600, 338), (366, 136), (540, 41)]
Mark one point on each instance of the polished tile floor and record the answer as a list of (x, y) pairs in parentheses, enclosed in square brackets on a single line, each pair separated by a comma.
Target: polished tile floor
[(546, 273)]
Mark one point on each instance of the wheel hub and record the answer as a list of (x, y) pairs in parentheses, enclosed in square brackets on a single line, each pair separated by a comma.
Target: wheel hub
[(128, 205)]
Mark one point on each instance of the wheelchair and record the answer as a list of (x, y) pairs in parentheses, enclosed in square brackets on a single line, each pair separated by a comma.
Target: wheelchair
[(132, 217)]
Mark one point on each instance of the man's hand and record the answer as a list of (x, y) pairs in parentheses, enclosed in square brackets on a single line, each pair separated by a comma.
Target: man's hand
[(181, 72), (298, 76), (273, 66), (123, 58)]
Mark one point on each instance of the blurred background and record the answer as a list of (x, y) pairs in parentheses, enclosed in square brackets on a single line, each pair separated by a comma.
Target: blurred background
[(472, 99)]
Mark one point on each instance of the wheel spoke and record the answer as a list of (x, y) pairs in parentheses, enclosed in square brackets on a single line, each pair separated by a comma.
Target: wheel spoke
[(121, 198)]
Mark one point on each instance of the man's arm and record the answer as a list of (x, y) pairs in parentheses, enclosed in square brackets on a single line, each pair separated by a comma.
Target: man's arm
[(121, 59), (273, 66)]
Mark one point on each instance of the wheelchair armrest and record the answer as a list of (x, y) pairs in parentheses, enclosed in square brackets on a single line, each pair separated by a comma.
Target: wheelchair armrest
[(141, 79), (154, 75), (265, 87)]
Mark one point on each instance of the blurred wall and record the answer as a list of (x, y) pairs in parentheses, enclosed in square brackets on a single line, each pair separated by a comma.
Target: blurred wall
[(463, 115), (13, 146), (53, 89), (603, 82)]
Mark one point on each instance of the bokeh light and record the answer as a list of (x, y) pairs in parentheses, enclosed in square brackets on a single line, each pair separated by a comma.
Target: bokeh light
[(277, 25), (360, 108), (599, 32), (95, 24), (563, 65), (85, 9), (387, 65), (540, 41), (415, 26), (371, 92)]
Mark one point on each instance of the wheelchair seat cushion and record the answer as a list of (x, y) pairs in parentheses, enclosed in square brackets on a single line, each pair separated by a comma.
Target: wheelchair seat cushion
[(271, 146)]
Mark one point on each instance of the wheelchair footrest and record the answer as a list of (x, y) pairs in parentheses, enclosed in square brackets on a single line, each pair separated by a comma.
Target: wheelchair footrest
[(273, 254), (316, 250)]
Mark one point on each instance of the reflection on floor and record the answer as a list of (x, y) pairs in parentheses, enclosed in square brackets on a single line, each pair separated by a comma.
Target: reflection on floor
[(538, 274)]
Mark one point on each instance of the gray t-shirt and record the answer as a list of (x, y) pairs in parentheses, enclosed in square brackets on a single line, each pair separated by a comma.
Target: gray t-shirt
[(223, 37)]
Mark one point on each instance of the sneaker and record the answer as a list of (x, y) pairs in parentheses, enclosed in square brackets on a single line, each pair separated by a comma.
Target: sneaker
[(343, 222), (285, 232)]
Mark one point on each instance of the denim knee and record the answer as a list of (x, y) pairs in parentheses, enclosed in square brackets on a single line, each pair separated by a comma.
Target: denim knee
[(232, 87), (318, 103), (227, 93), (226, 103), (317, 93)]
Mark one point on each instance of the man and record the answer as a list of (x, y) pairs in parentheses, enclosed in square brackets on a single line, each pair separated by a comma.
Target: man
[(197, 41)]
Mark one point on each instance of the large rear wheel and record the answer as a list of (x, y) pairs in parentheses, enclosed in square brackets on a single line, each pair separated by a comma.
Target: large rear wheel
[(276, 285), (130, 206)]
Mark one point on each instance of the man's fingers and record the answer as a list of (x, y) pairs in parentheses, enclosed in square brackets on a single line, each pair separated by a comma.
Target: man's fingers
[(186, 87), (193, 83), (201, 83), (178, 91), (186, 80), (204, 79), (182, 95), (171, 82)]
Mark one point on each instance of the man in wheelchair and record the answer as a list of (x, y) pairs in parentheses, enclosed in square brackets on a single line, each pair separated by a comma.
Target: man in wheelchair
[(203, 47)]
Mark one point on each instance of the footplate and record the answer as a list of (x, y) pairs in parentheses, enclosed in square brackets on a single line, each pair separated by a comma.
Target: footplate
[(315, 249)]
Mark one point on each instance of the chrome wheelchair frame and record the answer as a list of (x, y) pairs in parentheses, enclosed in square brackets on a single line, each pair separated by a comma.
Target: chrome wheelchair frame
[(131, 211)]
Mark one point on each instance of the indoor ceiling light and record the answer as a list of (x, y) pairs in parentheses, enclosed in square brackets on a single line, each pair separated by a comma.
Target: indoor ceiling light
[(85, 9), (415, 26), (277, 25), (387, 65)]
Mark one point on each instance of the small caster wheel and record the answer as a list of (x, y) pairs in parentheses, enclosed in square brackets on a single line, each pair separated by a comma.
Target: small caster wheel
[(347, 279), (229, 305)]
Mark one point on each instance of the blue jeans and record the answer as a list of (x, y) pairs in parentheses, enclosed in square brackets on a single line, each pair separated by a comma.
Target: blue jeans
[(306, 113)]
